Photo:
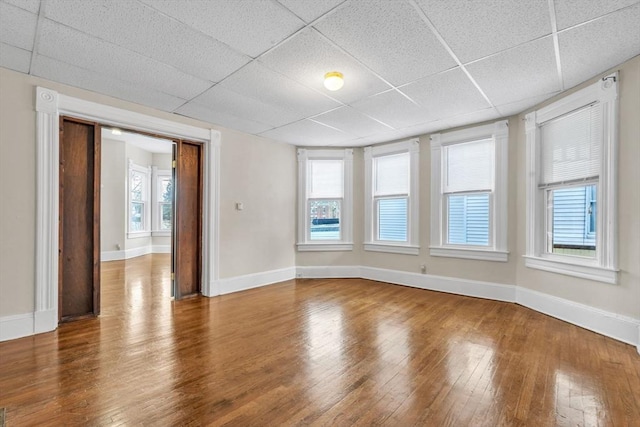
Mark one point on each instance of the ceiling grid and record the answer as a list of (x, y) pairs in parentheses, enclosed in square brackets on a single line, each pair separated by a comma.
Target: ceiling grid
[(410, 66)]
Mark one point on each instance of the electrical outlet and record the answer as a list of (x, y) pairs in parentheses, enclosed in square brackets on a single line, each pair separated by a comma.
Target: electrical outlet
[(423, 268)]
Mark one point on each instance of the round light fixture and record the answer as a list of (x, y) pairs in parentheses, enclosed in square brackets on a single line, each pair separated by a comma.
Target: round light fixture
[(333, 80)]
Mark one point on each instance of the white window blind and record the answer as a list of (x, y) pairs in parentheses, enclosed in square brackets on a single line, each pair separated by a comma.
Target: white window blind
[(570, 146), (469, 166), (391, 174), (326, 179)]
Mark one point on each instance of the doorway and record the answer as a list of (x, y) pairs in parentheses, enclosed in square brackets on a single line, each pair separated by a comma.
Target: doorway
[(148, 200), (49, 106)]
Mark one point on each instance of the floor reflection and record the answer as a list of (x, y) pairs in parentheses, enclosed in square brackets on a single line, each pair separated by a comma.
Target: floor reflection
[(324, 342), (576, 397)]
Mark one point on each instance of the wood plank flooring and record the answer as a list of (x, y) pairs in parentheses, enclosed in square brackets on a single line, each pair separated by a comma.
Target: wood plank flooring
[(313, 352)]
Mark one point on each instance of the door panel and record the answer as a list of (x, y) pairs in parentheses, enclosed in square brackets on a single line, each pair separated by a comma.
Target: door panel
[(79, 258), (188, 225)]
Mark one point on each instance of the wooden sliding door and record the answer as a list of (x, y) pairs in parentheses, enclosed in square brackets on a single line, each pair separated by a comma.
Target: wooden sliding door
[(79, 220), (187, 246)]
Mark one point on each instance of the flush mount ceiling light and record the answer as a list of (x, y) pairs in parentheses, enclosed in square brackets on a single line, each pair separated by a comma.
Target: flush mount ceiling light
[(333, 80)]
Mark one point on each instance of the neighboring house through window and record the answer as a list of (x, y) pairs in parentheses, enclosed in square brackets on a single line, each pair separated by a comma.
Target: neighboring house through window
[(571, 184), (325, 200), (138, 201), (469, 193), (162, 202), (391, 197)]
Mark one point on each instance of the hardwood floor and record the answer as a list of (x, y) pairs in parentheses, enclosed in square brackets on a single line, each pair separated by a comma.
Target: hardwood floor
[(320, 352)]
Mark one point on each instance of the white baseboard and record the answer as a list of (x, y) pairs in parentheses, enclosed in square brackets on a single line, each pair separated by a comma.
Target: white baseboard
[(161, 249), (255, 280), (16, 326), (329, 272), (472, 288), (134, 252), (621, 328), (45, 321)]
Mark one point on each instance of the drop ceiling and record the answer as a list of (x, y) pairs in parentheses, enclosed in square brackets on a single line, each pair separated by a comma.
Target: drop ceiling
[(411, 67)]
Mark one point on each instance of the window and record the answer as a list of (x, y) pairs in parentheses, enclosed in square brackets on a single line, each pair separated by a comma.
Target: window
[(138, 218), (162, 202), (324, 200), (391, 204), (469, 193), (571, 150)]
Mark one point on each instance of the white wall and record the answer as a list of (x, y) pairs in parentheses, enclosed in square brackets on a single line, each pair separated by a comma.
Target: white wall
[(113, 214)]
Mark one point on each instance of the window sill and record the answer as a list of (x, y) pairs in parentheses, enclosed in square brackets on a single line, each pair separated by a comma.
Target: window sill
[(138, 234), (322, 247), (391, 248), (584, 271), (470, 253), (161, 233)]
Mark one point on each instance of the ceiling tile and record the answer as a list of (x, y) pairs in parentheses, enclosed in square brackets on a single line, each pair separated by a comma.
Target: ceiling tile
[(221, 118), (519, 73), (32, 6), (593, 48), (223, 100), (307, 56), (144, 30), (73, 47), (477, 29), (383, 137), (310, 10), (446, 94), (249, 26), (390, 37), (351, 121), (258, 82), (88, 79), (472, 118), (307, 132), (520, 106), (572, 12), (392, 109), (17, 26), (14, 58), (422, 129)]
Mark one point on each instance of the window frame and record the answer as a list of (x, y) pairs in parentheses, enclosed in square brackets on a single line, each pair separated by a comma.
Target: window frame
[(146, 172), (345, 243), (497, 249), (371, 243), (158, 176), (603, 267)]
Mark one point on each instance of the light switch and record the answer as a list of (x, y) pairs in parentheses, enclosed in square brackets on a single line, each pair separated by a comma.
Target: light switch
[(239, 206)]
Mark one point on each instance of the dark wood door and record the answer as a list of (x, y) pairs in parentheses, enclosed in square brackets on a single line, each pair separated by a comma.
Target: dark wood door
[(188, 219), (79, 220)]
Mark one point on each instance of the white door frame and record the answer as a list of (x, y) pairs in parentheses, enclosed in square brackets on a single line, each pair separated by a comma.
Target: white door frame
[(50, 105)]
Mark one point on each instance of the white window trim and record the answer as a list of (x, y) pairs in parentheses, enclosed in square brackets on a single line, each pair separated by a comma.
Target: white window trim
[(346, 214), (146, 170), (604, 267), (411, 247), (497, 250), (158, 174)]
